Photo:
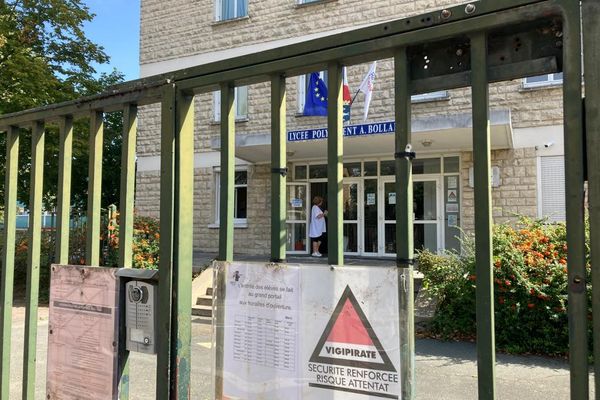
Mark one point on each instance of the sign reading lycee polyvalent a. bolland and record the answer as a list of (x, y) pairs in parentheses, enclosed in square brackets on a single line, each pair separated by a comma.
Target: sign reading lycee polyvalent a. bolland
[(346, 335)]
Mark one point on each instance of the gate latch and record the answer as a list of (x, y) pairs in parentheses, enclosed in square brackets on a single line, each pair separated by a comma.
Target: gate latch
[(282, 171), (407, 153)]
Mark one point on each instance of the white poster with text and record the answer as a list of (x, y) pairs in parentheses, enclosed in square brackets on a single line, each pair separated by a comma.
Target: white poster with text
[(311, 332)]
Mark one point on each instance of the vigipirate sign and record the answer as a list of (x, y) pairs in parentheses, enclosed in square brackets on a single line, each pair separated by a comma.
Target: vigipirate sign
[(349, 359)]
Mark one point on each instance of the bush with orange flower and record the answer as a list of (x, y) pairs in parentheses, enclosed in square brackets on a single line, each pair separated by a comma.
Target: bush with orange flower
[(530, 288)]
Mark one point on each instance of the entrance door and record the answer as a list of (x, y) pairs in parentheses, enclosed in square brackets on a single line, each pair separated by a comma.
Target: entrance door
[(297, 218), (351, 198), (426, 215)]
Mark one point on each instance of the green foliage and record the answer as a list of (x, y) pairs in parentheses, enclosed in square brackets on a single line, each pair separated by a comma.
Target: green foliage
[(146, 242), (530, 288)]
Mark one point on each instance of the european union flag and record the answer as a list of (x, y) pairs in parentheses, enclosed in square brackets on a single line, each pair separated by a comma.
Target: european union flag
[(316, 96)]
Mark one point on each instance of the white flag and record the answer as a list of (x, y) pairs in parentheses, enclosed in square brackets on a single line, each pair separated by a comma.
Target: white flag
[(367, 87)]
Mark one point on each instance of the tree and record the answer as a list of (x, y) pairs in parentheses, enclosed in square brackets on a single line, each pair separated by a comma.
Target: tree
[(46, 58), (44, 55)]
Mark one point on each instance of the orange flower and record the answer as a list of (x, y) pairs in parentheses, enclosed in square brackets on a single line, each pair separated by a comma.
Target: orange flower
[(111, 228), (497, 263), (562, 261), (472, 277), (530, 305)]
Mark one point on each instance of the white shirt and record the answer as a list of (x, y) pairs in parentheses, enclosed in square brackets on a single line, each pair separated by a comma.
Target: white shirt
[(317, 225)]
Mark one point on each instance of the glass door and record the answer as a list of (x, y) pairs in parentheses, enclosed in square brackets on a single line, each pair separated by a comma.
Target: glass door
[(350, 210), (297, 218), (370, 225), (426, 212)]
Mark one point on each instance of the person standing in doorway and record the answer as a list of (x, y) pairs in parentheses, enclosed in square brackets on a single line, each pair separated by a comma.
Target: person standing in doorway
[(317, 225)]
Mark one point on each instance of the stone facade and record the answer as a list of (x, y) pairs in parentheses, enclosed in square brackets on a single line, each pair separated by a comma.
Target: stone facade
[(174, 29)]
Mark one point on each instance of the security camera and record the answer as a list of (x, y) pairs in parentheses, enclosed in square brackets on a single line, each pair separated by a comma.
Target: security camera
[(548, 145)]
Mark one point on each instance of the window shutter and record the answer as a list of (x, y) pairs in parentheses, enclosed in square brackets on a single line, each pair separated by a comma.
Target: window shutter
[(552, 181)]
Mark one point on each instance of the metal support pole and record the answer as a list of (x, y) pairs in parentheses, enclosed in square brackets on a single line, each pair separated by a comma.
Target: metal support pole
[(33, 258), (126, 225), (486, 347), (574, 191), (404, 224), (181, 329), (591, 57), (8, 257), (92, 248), (63, 213), (278, 168), (165, 276), (227, 172), (225, 222), (335, 151)]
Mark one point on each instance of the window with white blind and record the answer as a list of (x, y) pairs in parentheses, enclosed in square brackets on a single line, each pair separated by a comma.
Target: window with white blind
[(240, 103), (543, 80), (230, 9), (551, 188)]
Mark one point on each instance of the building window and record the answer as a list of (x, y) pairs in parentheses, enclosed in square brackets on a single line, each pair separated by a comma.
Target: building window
[(551, 189), (432, 96), (240, 104), (240, 197), (303, 81), (230, 9), (543, 80)]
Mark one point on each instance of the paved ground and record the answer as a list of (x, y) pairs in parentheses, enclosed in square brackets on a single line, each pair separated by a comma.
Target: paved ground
[(445, 371)]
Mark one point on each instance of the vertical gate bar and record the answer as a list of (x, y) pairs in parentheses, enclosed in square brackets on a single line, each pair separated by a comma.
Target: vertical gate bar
[(92, 246), (404, 225), (278, 163), (126, 216), (227, 172), (574, 192), (335, 151), (591, 58), (33, 258), (63, 209), (181, 333), (226, 204), (165, 276), (8, 257), (486, 355), (127, 186)]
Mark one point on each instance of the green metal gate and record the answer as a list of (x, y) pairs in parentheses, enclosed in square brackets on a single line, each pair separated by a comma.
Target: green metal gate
[(475, 44)]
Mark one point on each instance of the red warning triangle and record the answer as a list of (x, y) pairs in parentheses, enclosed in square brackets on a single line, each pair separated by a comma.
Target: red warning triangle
[(348, 328), (349, 339)]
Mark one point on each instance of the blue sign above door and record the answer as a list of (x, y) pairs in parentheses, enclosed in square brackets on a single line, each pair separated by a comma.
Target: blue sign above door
[(377, 128)]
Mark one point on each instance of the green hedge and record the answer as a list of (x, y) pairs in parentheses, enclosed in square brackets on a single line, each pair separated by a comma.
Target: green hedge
[(530, 288)]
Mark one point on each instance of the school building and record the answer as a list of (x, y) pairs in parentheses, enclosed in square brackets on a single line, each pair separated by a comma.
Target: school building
[(526, 132)]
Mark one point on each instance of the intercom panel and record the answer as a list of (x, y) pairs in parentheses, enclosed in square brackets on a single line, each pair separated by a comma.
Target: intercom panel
[(140, 318)]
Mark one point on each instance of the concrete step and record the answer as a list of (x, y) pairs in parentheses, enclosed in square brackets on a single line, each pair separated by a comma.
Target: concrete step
[(202, 311), (204, 301)]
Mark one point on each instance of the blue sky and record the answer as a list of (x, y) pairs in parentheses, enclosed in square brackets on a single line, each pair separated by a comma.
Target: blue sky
[(116, 27)]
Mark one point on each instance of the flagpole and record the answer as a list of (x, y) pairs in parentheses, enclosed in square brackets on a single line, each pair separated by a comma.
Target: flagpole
[(354, 98)]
